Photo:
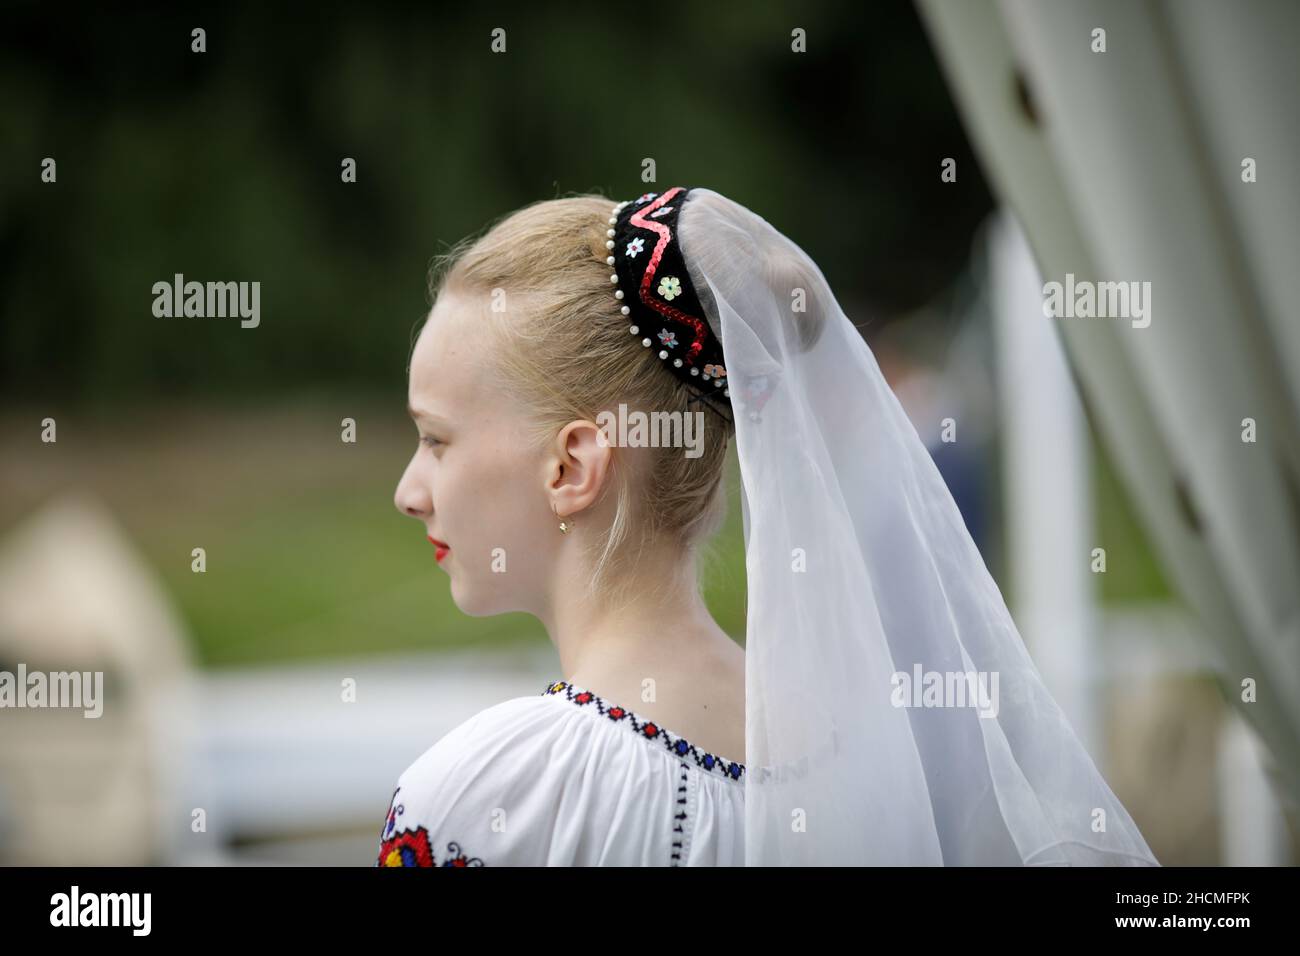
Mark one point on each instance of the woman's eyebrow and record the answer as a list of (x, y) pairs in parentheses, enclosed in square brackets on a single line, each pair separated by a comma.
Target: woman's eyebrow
[(418, 414)]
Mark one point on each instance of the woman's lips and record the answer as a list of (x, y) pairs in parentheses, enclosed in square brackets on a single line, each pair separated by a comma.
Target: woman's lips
[(442, 548)]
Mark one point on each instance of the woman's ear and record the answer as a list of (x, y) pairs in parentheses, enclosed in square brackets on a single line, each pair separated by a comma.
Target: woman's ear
[(578, 468)]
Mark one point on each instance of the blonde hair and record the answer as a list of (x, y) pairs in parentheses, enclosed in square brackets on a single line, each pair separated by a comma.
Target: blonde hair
[(565, 352)]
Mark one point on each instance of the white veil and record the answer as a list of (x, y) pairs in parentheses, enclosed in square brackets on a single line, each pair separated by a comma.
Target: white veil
[(860, 566)]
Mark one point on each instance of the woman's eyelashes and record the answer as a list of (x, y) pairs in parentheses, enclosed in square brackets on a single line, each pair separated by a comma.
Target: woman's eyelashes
[(431, 441)]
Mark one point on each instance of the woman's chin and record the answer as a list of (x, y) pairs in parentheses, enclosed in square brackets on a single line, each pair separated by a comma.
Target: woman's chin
[(472, 602)]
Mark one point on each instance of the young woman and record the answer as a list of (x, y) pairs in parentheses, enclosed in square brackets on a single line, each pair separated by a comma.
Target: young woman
[(883, 709)]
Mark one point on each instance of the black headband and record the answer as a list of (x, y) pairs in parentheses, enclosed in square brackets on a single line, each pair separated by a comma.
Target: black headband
[(651, 282)]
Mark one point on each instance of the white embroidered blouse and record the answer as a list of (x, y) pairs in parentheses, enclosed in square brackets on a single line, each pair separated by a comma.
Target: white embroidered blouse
[(565, 778)]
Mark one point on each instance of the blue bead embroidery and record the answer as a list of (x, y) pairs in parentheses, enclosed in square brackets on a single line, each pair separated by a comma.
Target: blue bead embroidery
[(676, 745)]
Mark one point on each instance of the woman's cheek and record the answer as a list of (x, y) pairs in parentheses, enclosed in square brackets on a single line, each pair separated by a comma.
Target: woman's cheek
[(473, 500)]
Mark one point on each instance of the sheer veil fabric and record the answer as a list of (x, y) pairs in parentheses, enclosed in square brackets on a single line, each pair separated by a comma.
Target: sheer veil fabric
[(860, 568)]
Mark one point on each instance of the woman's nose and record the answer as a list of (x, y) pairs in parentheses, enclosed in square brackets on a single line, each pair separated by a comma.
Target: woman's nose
[(413, 510), (411, 498)]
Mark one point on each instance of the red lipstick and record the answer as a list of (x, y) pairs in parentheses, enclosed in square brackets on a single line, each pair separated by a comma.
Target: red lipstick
[(441, 546)]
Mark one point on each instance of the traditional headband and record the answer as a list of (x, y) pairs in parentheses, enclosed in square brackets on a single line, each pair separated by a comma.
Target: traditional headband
[(656, 293)]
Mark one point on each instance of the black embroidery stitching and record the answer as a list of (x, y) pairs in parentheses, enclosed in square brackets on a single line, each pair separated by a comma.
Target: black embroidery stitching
[(680, 827), (677, 746)]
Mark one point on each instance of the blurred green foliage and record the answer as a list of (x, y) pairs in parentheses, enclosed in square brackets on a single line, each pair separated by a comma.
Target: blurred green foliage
[(225, 166)]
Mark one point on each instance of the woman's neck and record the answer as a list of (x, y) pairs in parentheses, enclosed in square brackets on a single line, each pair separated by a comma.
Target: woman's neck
[(652, 630)]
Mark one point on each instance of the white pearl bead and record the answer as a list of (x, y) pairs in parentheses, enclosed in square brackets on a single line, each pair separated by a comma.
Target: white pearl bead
[(625, 310), (645, 342), (663, 354), (610, 232), (609, 260), (717, 383), (614, 278), (609, 243), (635, 329), (726, 391), (677, 363), (695, 371), (618, 294)]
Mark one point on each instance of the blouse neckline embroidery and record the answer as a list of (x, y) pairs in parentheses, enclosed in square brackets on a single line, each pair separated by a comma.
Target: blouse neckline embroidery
[(673, 743)]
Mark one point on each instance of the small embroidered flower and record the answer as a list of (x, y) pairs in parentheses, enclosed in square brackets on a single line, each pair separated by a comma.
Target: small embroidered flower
[(634, 247), (715, 371), (662, 211), (583, 698), (457, 858), (395, 810), (393, 814), (668, 338), (617, 713), (412, 848), (670, 287), (646, 198), (408, 848)]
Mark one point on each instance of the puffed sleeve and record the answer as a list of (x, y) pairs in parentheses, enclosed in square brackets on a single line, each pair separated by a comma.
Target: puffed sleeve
[(532, 782), (424, 825), (489, 793)]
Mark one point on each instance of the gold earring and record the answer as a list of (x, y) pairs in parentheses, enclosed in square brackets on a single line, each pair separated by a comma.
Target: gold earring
[(564, 525)]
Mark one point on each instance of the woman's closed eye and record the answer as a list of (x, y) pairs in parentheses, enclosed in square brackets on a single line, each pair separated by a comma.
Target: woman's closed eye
[(431, 441)]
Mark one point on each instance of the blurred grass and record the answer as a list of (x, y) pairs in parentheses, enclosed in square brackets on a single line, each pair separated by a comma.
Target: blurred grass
[(344, 573), (306, 555)]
